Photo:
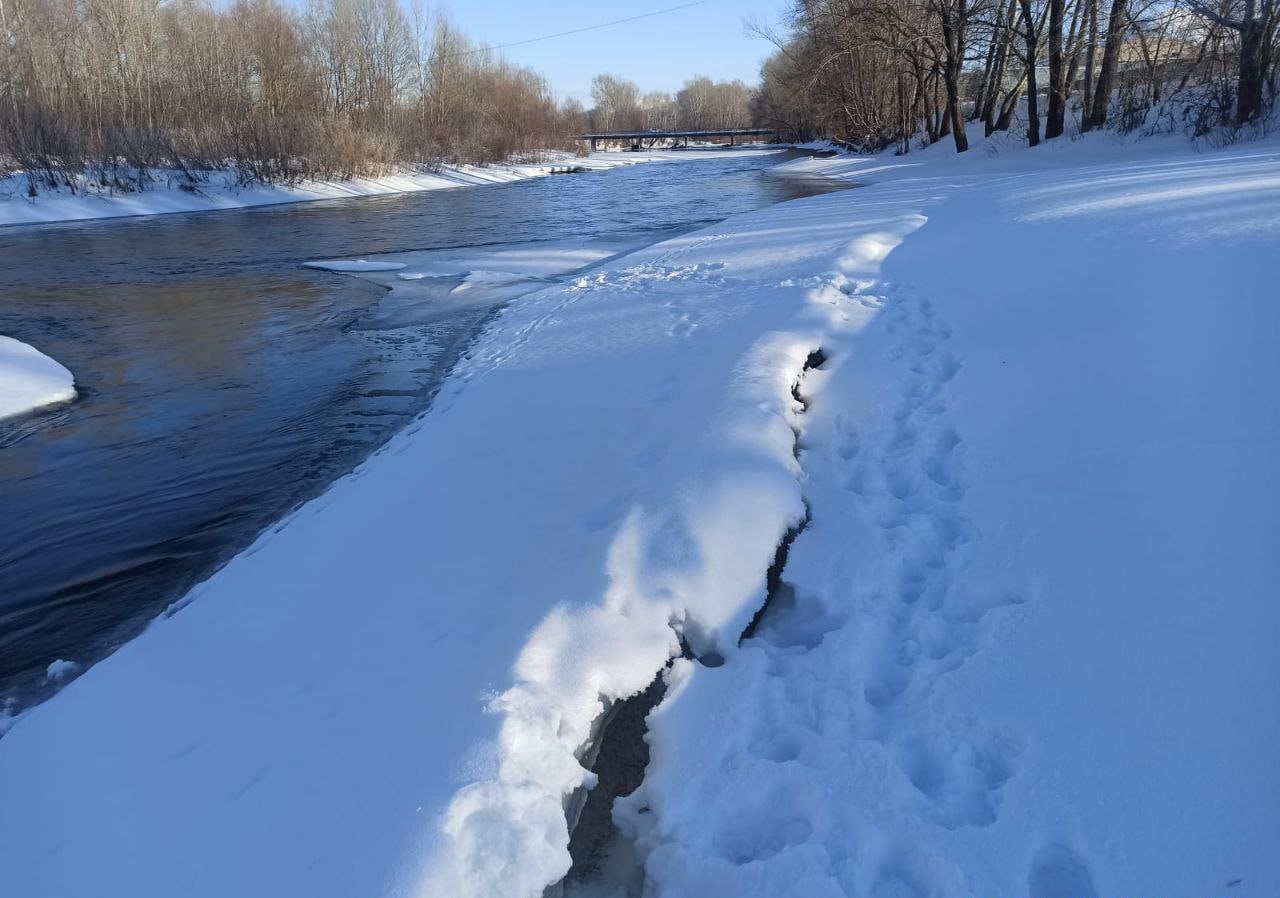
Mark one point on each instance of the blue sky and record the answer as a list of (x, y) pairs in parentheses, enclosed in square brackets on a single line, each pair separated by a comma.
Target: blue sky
[(658, 53)]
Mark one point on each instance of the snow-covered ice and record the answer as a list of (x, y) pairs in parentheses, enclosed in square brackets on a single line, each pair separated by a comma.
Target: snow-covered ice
[(494, 264), (425, 285), (1023, 643), (30, 380)]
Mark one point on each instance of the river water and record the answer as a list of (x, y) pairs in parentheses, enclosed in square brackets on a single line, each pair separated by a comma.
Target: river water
[(221, 383)]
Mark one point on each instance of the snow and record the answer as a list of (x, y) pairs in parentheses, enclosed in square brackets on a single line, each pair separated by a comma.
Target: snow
[(172, 191), (1038, 571), (61, 669), (1023, 644), (30, 380)]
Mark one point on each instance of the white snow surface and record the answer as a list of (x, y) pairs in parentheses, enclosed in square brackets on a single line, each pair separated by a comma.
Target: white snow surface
[(172, 191), (61, 669), (30, 380), (1025, 644)]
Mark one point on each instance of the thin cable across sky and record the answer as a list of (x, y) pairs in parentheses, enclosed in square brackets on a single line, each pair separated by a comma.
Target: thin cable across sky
[(547, 37)]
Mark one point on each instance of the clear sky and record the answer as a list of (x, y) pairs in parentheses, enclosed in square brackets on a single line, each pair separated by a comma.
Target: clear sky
[(658, 53)]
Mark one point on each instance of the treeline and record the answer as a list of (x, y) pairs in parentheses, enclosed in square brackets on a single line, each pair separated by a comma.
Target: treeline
[(882, 72), (701, 103), (115, 89)]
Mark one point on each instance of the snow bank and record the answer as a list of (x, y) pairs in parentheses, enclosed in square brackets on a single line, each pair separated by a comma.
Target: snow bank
[(1021, 644), (30, 380), (173, 192)]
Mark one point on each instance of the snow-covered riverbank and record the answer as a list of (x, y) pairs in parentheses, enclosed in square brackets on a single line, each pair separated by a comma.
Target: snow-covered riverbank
[(172, 191), (30, 380), (1022, 643)]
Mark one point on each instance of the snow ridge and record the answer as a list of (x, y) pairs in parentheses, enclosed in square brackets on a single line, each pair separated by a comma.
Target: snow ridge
[(839, 671), (689, 575)]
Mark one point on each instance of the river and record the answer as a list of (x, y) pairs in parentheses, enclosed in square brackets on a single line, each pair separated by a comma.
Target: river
[(221, 383)]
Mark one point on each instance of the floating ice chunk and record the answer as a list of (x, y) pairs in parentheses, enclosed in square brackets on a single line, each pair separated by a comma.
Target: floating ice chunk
[(354, 265), (30, 380)]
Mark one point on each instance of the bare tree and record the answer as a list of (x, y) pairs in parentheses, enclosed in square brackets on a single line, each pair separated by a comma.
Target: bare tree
[(113, 90), (617, 103), (1255, 21)]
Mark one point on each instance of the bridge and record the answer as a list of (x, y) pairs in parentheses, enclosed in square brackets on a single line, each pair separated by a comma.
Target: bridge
[(639, 139)]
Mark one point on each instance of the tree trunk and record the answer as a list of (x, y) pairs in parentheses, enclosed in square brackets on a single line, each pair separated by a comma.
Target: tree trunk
[(1029, 61), (1073, 52), (1086, 94), (1002, 60), (989, 84), (1055, 124), (980, 101), (1252, 70), (1010, 105), (930, 118), (1110, 60), (953, 121), (953, 23)]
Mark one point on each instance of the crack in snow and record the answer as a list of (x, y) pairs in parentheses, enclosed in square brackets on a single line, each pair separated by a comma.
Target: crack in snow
[(603, 859)]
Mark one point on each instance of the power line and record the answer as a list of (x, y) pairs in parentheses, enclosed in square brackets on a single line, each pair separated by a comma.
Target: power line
[(547, 37)]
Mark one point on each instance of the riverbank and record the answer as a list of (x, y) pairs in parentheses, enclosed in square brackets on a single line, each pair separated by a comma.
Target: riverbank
[(173, 191), (1014, 417)]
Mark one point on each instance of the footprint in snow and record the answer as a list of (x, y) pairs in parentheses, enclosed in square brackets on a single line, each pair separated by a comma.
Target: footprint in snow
[(1058, 872)]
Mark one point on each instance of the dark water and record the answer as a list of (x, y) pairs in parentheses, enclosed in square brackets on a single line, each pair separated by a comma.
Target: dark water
[(221, 384)]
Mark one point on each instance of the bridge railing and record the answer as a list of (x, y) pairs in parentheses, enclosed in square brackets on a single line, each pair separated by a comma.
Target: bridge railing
[(637, 138)]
